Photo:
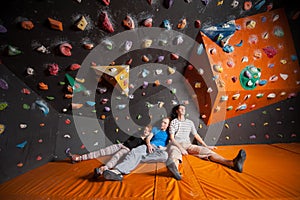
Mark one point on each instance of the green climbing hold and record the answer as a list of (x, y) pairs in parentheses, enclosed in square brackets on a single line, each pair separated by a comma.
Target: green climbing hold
[(249, 77), (77, 87), (50, 98), (3, 105), (26, 106), (13, 51)]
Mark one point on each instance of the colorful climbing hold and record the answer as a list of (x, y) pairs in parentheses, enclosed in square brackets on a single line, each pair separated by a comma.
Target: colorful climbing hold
[(22, 144), (13, 51), (2, 128), (53, 69), (42, 105), (3, 84), (106, 23), (55, 24), (65, 49), (128, 22)]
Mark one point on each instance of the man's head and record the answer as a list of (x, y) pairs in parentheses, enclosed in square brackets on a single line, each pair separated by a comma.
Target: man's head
[(165, 123), (180, 110)]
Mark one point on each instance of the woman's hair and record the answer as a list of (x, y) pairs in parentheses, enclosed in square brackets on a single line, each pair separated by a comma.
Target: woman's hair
[(149, 126)]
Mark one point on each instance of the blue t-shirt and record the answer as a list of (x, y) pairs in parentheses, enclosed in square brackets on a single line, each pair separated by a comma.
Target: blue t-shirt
[(160, 137)]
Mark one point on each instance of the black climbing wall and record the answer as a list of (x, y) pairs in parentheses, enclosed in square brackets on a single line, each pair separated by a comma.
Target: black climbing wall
[(47, 135)]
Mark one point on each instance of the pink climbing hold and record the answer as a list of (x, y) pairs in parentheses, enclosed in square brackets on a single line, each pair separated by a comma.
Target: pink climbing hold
[(65, 49), (270, 51), (148, 22), (39, 158), (106, 2), (53, 69), (197, 23), (105, 22)]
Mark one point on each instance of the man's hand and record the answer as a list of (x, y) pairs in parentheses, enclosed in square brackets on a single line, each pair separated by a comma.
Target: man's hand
[(183, 151), (212, 147)]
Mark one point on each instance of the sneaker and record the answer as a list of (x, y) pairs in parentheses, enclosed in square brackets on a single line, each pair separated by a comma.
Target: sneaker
[(172, 167), (238, 161), (97, 172), (113, 175)]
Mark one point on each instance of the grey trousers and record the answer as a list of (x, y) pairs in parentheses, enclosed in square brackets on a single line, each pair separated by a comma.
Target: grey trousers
[(138, 155)]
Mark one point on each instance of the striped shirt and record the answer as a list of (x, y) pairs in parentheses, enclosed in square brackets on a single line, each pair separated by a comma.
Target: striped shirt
[(182, 130)]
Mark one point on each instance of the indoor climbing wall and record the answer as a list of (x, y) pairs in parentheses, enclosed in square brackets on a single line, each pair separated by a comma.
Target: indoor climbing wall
[(253, 63)]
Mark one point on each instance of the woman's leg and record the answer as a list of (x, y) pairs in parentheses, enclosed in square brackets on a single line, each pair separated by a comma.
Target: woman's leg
[(116, 157), (109, 150)]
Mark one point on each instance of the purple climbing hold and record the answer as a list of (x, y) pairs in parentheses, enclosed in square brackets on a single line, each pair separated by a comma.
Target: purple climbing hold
[(168, 3), (2, 29), (3, 84), (160, 58), (206, 1)]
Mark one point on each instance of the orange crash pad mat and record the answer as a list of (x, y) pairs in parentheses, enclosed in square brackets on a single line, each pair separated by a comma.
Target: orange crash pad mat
[(271, 171)]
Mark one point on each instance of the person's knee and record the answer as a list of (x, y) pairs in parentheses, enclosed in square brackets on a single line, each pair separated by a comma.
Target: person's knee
[(164, 156)]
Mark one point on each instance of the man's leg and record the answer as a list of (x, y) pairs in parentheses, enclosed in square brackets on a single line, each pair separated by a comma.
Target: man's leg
[(175, 157), (205, 153)]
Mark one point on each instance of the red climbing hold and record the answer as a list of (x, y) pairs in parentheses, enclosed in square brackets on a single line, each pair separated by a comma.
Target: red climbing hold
[(74, 67), (105, 22)]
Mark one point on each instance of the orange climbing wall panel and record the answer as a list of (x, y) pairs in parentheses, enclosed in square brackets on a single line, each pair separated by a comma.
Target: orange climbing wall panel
[(281, 72)]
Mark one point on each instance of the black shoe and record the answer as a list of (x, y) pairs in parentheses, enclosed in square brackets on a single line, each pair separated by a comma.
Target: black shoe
[(239, 160), (172, 167), (97, 172), (113, 175)]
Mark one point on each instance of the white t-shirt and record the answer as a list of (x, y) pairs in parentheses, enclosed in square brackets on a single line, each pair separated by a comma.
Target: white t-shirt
[(182, 130)]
